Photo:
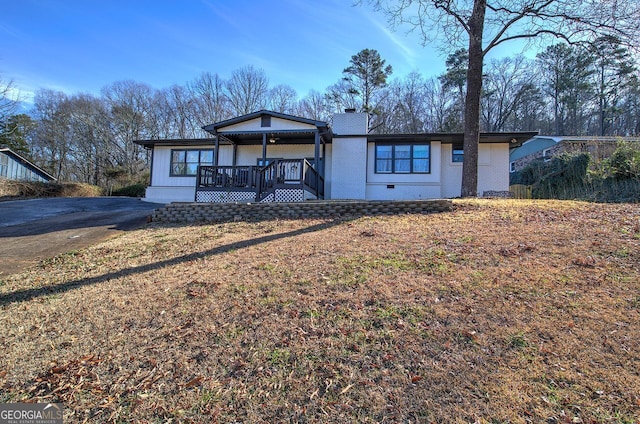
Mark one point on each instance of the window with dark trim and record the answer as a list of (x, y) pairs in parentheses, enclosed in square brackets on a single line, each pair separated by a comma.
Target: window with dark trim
[(413, 158), (185, 162), (265, 121), (457, 153), (4, 165)]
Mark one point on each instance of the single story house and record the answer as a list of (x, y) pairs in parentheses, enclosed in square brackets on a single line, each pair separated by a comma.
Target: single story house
[(270, 156), (15, 167), (545, 147)]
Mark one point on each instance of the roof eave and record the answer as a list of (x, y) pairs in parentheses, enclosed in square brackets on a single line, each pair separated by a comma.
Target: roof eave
[(213, 128)]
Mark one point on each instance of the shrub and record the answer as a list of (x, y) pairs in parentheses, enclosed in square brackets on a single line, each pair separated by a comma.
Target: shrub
[(134, 190), (625, 162), (564, 178), (616, 179)]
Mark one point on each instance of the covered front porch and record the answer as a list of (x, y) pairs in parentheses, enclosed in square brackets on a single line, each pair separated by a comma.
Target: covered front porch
[(276, 175)]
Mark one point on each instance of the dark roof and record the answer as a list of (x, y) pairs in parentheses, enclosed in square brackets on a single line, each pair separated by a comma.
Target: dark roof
[(213, 128), (304, 136), (27, 164), (514, 139), (149, 143)]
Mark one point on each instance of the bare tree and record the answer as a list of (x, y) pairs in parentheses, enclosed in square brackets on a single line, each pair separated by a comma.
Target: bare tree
[(283, 98), (210, 102), (130, 105), (8, 107), (403, 108), (247, 90), (51, 144), (485, 24), (315, 106), (88, 144), (506, 87), (8, 100), (437, 106), (179, 112), (340, 96)]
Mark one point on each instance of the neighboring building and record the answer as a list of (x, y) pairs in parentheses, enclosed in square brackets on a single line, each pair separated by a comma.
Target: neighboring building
[(270, 156), (542, 147), (15, 167)]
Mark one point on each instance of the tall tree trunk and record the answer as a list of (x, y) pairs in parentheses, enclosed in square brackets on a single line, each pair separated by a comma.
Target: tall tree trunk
[(472, 103)]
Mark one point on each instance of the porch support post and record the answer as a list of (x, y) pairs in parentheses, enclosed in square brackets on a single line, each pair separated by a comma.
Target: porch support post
[(264, 149), (324, 155), (217, 155), (316, 158), (235, 154)]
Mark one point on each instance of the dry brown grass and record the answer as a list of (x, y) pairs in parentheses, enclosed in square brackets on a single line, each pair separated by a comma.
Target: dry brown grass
[(499, 312), (12, 189)]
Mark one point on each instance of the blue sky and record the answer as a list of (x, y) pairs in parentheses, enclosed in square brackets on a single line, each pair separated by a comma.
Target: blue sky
[(83, 45)]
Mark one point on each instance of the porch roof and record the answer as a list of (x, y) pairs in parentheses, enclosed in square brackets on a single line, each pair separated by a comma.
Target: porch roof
[(214, 128), (246, 138), (229, 132)]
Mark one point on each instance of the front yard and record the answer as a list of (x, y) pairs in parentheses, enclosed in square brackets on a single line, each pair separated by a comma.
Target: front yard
[(501, 311)]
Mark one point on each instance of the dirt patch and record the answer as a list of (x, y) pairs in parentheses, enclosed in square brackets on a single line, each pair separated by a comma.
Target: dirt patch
[(501, 311)]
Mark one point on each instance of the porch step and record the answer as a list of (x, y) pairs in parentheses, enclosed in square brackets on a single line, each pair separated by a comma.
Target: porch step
[(227, 212)]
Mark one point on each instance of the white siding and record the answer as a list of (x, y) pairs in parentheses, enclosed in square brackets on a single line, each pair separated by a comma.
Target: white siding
[(248, 155), (170, 194), (161, 175), (276, 125), (164, 188)]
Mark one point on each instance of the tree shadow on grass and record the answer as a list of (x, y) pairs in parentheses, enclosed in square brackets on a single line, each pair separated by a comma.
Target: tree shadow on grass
[(29, 294)]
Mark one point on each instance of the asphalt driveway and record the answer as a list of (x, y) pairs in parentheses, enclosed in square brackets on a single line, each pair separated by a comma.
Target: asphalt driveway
[(36, 229)]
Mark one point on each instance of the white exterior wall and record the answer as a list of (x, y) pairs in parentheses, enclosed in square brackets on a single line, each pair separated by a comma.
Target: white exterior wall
[(164, 188), (349, 158), (404, 186), (348, 169), (349, 165), (493, 169), (170, 194), (451, 173), (248, 155)]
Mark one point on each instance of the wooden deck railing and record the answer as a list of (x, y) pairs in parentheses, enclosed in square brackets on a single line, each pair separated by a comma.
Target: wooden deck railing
[(281, 173)]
